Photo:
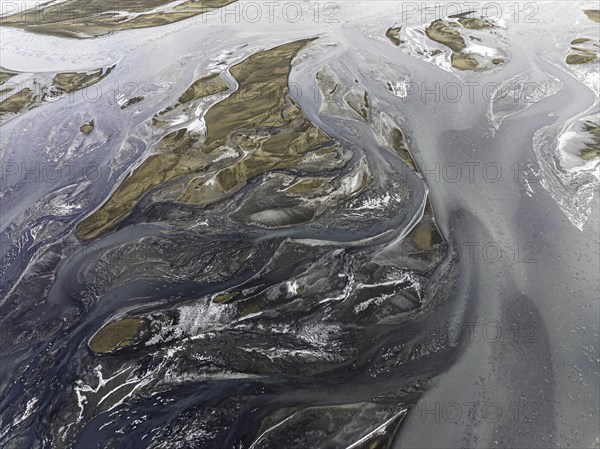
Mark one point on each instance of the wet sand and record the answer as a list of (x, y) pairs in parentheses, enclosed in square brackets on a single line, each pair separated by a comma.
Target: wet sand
[(461, 306)]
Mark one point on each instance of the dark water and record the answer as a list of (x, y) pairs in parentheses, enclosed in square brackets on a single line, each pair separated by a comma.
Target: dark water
[(344, 333)]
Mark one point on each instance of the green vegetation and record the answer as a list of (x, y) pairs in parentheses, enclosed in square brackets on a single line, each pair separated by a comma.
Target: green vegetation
[(474, 23), (392, 34), (118, 335), (66, 82), (580, 40), (442, 33), (583, 51), (309, 185), (426, 234), (592, 149), (203, 87), (581, 58), (90, 18), (131, 101), (593, 14), (87, 127), (399, 145), (224, 298), (19, 102), (463, 61), (449, 33), (71, 81), (260, 121), (209, 85)]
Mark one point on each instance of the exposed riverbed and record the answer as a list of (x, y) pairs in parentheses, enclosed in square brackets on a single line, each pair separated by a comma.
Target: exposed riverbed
[(370, 226)]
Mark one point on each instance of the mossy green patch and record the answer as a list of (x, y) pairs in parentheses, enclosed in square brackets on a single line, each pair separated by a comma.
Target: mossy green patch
[(62, 83), (261, 120), (224, 298), (592, 148), (73, 81), (445, 34), (588, 154), (131, 101), (90, 18), (118, 335), (309, 185), (580, 40), (583, 51), (426, 234), (463, 61), (473, 23), (450, 34), (592, 14), (392, 34), (400, 146), (209, 85), (201, 88), (18, 102), (87, 127), (581, 58)]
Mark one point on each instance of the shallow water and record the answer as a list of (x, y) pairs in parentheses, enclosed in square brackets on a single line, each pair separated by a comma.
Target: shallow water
[(327, 318)]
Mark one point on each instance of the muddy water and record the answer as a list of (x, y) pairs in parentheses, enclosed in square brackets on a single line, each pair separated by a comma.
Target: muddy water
[(334, 325)]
